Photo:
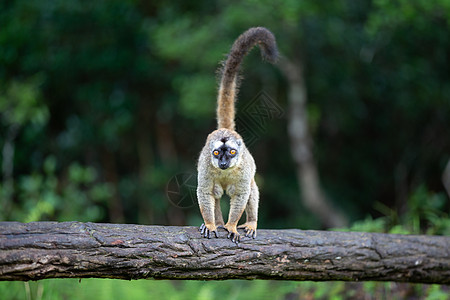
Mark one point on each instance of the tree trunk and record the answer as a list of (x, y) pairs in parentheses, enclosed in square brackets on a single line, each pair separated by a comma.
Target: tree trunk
[(115, 208), (446, 178), (8, 170), (301, 148), (39, 250)]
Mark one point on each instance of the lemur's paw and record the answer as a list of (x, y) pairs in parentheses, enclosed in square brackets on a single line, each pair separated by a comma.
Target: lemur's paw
[(249, 228), (206, 230), (233, 234)]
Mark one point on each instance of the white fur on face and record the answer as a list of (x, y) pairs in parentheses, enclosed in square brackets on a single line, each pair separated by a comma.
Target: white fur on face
[(217, 145), (232, 144)]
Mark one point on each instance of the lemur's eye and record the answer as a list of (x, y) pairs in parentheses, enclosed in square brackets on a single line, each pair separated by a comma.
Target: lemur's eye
[(216, 152), (232, 152)]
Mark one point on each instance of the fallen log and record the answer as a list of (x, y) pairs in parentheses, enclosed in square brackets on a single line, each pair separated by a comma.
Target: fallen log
[(40, 250)]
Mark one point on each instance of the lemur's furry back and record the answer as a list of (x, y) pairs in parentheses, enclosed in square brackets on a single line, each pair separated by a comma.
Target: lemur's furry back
[(229, 83)]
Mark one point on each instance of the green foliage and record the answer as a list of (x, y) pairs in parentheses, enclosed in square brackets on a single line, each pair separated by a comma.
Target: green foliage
[(195, 90), (405, 13), (42, 196), (20, 103), (199, 290), (426, 210), (425, 214)]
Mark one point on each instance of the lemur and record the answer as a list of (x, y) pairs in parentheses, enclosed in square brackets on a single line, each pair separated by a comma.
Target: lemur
[(225, 164)]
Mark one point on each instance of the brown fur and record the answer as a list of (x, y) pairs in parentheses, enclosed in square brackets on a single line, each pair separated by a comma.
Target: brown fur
[(229, 84), (237, 180)]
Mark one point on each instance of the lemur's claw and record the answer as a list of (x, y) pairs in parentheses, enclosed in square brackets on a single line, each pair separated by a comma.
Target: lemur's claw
[(235, 238), (205, 232)]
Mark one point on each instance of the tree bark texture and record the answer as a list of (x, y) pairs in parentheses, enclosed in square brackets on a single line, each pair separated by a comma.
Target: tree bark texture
[(39, 250)]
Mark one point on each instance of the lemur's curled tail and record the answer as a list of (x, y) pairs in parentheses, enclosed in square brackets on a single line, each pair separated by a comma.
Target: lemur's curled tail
[(228, 85)]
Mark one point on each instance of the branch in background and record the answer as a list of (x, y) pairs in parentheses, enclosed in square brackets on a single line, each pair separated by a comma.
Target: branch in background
[(8, 169), (446, 178), (301, 148), (41, 250)]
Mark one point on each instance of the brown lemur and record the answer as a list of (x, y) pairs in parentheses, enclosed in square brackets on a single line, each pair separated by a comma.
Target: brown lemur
[(225, 164)]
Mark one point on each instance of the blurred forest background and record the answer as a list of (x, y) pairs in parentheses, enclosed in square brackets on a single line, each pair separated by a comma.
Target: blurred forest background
[(105, 106)]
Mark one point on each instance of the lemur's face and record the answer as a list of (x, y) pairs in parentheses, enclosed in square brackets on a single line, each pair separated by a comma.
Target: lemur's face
[(226, 153)]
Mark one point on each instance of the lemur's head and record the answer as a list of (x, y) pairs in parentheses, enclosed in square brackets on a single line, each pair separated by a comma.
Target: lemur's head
[(226, 149)]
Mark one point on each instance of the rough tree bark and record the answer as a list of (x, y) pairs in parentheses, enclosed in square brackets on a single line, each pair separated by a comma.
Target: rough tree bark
[(39, 250)]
